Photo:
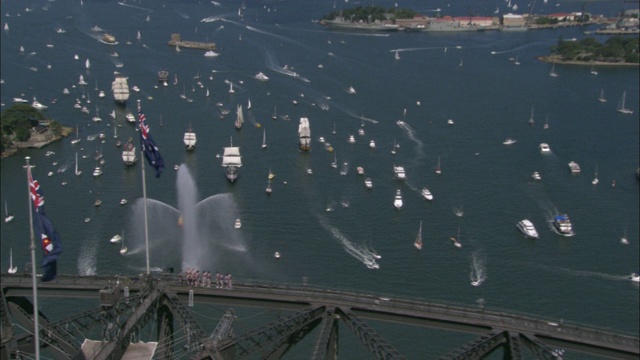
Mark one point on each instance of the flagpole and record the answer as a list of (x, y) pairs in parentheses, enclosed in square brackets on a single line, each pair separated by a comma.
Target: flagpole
[(144, 199), (32, 247)]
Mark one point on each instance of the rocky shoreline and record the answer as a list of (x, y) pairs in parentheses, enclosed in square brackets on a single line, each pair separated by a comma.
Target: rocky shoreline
[(552, 59), (36, 142)]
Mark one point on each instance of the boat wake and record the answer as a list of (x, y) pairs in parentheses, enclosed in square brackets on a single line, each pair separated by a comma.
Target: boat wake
[(360, 252), (411, 133), (585, 273), (362, 117), (271, 64), (133, 6), (478, 273)]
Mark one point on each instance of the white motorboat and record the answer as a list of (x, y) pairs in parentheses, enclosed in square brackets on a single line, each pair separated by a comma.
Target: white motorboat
[(536, 176), (352, 139), (509, 141), (562, 225), (211, 53), (38, 105), (130, 118), (426, 194), (360, 170), (237, 224), (123, 201), (399, 172), (635, 277), (456, 240), (116, 239), (527, 228), (574, 167), (368, 183), (372, 144), (351, 90), (450, 122), (262, 77), (397, 201), (97, 171), (276, 255), (544, 148)]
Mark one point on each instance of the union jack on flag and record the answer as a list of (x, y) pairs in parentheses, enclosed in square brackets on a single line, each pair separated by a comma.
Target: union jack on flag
[(148, 146)]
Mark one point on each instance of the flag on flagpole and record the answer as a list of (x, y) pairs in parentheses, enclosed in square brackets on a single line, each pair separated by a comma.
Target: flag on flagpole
[(45, 232), (148, 146)]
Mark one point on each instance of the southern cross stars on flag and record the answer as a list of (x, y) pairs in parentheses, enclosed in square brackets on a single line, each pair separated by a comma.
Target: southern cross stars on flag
[(45, 232), (148, 146)]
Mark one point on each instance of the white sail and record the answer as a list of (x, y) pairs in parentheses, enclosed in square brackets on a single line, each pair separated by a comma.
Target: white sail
[(120, 88), (129, 153), (231, 156), (239, 117), (304, 131), (190, 139)]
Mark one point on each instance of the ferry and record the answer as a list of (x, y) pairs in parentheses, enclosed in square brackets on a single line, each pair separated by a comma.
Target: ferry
[(563, 226), (574, 167)]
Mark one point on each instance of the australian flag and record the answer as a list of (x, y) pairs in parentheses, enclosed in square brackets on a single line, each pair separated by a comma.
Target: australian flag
[(44, 232), (148, 146)]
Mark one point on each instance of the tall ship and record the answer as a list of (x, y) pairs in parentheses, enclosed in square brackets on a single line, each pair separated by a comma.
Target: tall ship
[(190, 139), (232, 161), (120, 88), (304, 131), (239, 117), (129, 153)]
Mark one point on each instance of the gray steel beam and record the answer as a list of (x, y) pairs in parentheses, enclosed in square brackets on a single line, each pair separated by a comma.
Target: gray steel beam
[(326, 337), (478, 348), (376, 344)]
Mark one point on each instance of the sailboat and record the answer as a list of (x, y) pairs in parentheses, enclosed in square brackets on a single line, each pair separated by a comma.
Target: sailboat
[(334, 128), (231, 91), (12, 269), (531, 121), (268, 190), (438, 169), (595, 178), (397, 56), (593, 71), (232, 161), (264, 138), (553, 72), (304, 131), (129, 153), (7, 217), (602, 99), (190, 139), (393, 150), (334, 164), (623, 239), (460, 65), (78, 172), (77, 139), (248, 104), (456, 240), (97, 117), (546, 122), (239, 117), (275, 112), (418, 242), (621, 108), (123, 248)]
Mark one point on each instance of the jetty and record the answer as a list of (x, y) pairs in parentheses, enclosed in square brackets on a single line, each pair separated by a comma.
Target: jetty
[(177, 41)]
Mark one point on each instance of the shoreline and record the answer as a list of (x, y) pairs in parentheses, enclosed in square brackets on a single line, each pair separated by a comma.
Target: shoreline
[(34, 144), (551, 59)]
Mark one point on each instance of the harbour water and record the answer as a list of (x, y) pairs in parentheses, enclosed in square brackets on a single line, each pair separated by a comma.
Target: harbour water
[(581, 279)]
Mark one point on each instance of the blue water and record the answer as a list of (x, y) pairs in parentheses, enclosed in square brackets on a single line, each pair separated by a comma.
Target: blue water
[(580, 279)]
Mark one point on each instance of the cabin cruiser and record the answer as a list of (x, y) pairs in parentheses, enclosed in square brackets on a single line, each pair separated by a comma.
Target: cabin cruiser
[(360, 170), (351, 90), (635, 277), (97, 171), (38, 105), (397, 201), (574, 167), (211, 53), (368, 183), (262, 77), (563, 226), (352, 139), (544, 148), (372, 144), (237, 224), (399, 172), (427, 194), (536, 176), (527, 229), (509, 141)]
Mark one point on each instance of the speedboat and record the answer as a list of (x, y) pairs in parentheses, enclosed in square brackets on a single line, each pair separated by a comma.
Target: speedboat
[(450, 122), (527, 229), (262, 77), (211, 53), (372, 144), (238, 224), (399, 172), (397, 202), (368, 183), (427, 194), (351, 90), (563, 226), (635, 277), (544, 148), (116, 239), (574, 167), (123, 201), (536, 176), (509, 141), (276, 255), (97, 171), (38, 105), (360, 170)]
